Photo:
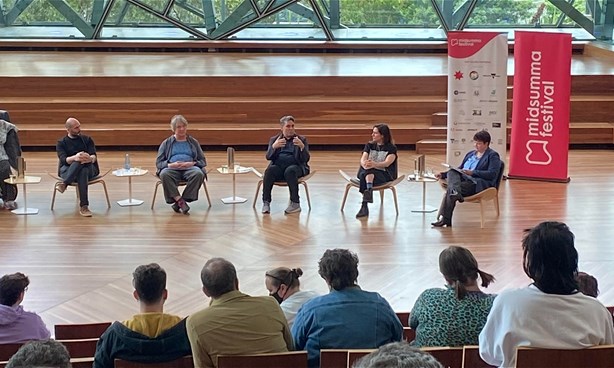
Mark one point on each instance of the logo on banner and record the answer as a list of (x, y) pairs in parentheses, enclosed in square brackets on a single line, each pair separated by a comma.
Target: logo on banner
[(458, 75), (474, 75), (539, 113), (540, 120)]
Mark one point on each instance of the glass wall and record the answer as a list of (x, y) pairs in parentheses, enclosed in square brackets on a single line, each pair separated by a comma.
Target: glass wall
[(356, 20)]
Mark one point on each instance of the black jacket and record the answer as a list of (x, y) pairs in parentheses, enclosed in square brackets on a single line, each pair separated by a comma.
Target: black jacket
[(118, 341)]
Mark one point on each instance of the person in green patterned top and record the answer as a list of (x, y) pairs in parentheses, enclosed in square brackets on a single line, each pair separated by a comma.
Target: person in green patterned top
[(453, 316)]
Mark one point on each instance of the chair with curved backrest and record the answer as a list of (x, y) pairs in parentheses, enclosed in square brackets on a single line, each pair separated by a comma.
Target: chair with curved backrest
[(96, 180), (353, 182), (302, 181), (488, 194), (181, 184)]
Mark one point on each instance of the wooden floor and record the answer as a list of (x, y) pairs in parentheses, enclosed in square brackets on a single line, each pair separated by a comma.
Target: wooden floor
[(80, 268)]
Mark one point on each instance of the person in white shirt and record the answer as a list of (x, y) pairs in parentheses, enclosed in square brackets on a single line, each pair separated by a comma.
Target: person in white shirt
[(283, 285), (551, 312)]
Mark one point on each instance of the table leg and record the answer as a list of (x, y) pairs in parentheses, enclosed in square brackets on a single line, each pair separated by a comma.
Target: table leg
[(424, 208), (234, 199), (130, 201), (25, 210)]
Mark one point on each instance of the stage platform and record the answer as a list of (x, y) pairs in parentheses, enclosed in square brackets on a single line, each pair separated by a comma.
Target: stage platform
[(127, 98)]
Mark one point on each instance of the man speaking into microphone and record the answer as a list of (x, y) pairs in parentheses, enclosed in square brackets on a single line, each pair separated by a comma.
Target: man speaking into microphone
[(288, 156)]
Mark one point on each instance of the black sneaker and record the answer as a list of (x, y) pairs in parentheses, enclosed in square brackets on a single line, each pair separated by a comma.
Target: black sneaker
[(175, 207), (367, 195), (364, 211)]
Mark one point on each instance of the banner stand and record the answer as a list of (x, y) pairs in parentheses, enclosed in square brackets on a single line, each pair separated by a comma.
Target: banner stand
[(564, 181)]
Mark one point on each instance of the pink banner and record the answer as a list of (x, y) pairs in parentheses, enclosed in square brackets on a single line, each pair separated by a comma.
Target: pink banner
[(540, 115)]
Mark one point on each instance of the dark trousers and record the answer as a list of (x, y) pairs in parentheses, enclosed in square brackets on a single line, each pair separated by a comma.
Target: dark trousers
[(461, 184), (379, 177), (81, 174), (9, 191), (288, 174)]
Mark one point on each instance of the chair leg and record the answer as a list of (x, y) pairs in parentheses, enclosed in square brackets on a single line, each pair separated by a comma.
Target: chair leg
[(381, 196), (345, 195), (307, 194), (394, 195), (106, 194), (257, 191), (496, 201), (206, 192), (482, 213), (55, 189), (153, 200)]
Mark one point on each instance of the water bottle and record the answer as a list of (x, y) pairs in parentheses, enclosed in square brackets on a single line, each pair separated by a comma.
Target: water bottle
[(127, 162)]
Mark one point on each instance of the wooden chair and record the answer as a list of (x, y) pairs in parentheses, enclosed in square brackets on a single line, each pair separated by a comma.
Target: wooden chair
[(292, 359), (409, 334), (472, 358), (451, 357), (181, 184), (96, 180), (8, 350), (81, 348), (353, 182), (355, 354), (488, 194), (404, 318), (183, 362), (594, 357), (333, 358), (80, 331), (302, 181)]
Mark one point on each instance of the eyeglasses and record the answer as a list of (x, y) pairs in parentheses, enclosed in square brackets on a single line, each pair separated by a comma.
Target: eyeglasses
[(25, 289)]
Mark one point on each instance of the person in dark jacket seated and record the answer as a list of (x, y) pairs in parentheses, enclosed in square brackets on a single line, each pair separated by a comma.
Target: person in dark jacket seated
[(151, 336), (10, 150), (478, 171)]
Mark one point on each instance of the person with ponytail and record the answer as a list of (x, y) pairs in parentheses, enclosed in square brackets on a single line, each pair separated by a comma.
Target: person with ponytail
[(283, 285), (453, 316)]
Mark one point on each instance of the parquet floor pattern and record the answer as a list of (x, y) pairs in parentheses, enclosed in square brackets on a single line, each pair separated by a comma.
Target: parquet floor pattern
[(80, 268)]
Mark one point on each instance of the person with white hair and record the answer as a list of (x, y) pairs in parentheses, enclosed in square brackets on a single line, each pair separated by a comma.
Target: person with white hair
[(180, 158)]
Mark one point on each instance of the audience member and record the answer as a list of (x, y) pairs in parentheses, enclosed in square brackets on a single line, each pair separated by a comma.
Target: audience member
[(347, 317), (180, 158), (41, 354), (453, 316), (10, 150), (234, 323), (550, 313), (283, 285), (587, 284), (78, 162), (17, 325), (397, 355), (478, 171), (378, 165), (150, 336), (288, 154)]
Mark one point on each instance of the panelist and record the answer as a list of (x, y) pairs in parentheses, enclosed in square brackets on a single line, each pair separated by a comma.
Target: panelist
[(478, 171), (288, 154), (180, 158)]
